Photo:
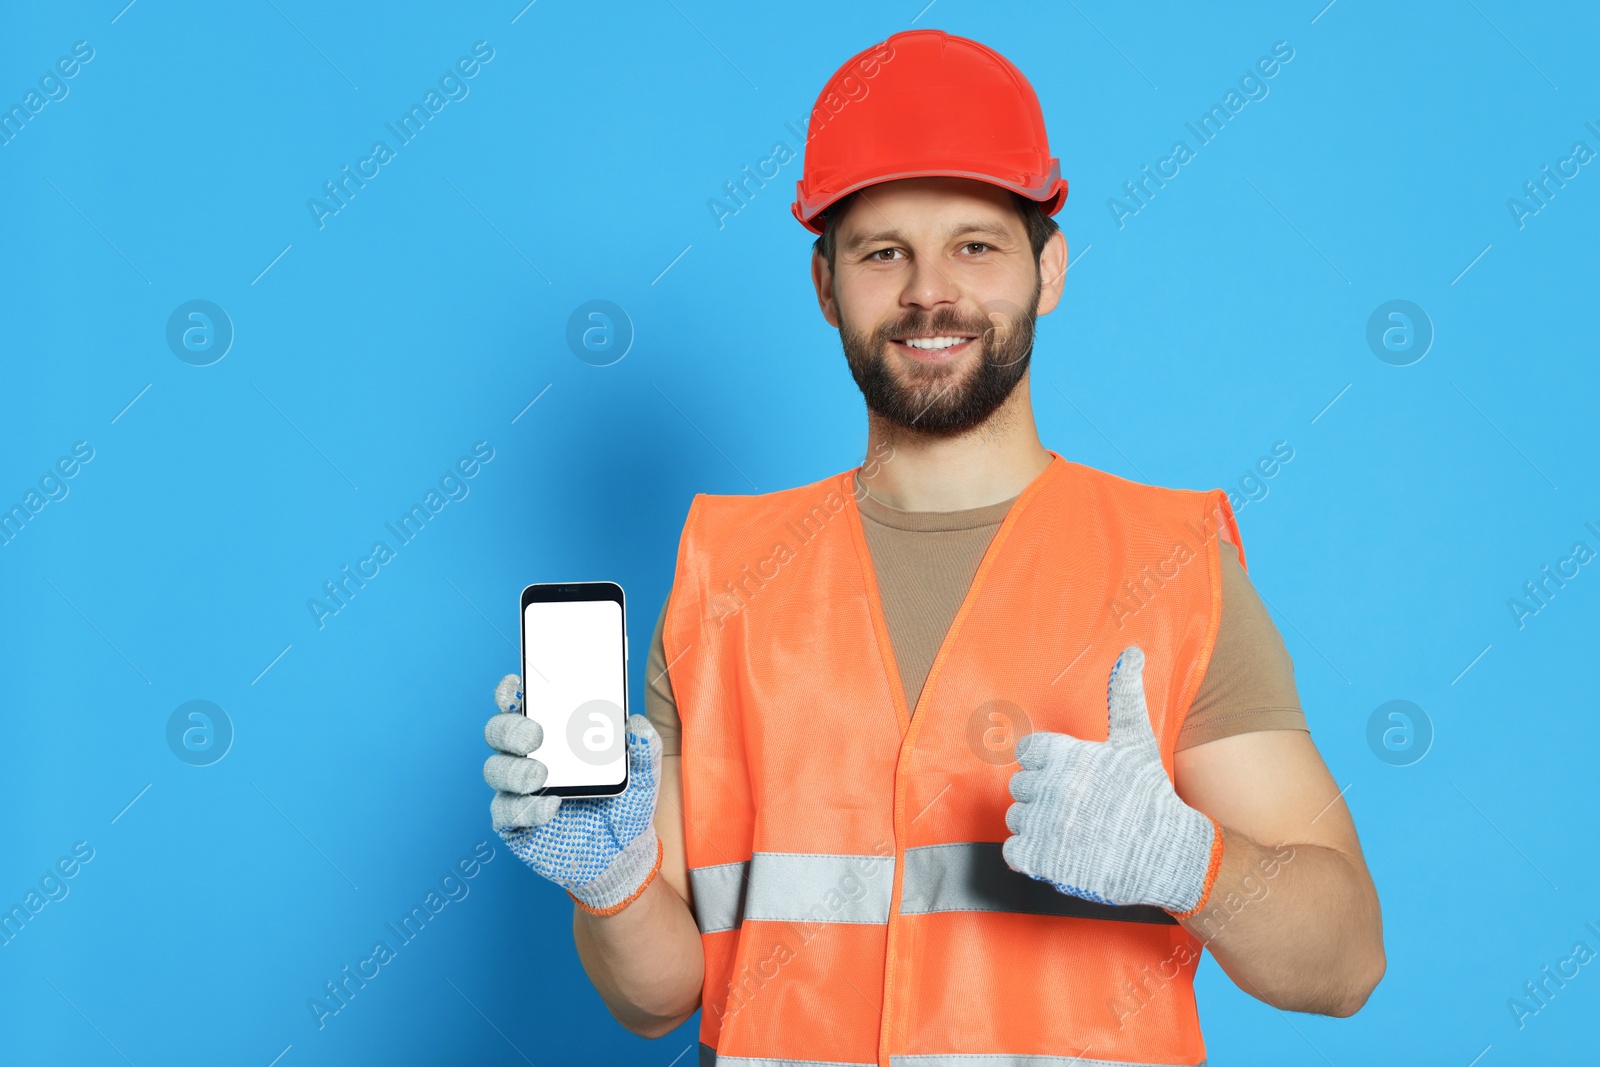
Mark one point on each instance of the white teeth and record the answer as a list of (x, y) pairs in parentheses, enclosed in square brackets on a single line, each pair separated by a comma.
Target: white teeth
[(934, 343)]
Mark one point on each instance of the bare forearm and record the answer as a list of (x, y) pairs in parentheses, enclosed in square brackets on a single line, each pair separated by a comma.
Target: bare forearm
[(645, 961), (1296, 925)]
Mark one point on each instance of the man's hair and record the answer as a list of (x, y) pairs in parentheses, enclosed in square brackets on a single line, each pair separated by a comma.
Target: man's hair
[(1040, 226)]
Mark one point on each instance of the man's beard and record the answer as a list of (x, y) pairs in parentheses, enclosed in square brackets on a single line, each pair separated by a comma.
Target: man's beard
[(936, 399)]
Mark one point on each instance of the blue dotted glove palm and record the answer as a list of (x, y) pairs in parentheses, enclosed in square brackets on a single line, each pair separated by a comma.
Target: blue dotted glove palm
[(1100, 819), (602, 850)]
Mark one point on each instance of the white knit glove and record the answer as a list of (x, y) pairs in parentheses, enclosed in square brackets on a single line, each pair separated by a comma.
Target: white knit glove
[(602, 850), (1100, 820)]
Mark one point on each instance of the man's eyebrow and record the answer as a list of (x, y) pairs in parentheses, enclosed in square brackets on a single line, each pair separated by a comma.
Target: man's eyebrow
[(959, 229), (988, 229), (876, 237)]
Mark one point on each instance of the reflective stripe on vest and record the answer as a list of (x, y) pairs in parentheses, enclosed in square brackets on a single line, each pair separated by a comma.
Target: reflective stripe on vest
[(813, 888), (793, 887), (844, 850), (709, 1058)]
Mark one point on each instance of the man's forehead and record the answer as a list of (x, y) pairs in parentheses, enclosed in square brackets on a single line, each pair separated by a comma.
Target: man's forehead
[(928, 210)]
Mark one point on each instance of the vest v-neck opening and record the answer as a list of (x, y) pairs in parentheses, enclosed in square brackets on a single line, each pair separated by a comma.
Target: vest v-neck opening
[(1013, 509)]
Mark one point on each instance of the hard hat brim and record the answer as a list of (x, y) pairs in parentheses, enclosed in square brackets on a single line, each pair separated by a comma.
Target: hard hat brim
[(1051, 192)]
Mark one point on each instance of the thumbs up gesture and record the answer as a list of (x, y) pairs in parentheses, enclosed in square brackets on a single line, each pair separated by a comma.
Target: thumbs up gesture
[(1101, 821)]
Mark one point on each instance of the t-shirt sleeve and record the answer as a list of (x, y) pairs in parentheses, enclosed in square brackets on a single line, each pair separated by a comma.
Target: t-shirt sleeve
[(1249, 684), (659, 706)]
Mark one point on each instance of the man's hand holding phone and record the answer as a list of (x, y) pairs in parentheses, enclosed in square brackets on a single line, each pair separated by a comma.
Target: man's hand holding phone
[(602, 850)]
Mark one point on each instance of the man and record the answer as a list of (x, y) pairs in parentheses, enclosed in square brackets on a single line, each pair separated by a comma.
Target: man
[(907, 821)]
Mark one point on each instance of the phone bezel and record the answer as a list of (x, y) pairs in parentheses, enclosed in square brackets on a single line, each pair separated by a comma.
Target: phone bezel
[(568, 592)]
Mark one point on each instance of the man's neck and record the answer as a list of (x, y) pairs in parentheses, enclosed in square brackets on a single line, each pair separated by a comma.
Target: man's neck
[(916, 472)]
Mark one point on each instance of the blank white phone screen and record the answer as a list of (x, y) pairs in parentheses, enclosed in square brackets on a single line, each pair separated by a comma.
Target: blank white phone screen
[(574, 683)]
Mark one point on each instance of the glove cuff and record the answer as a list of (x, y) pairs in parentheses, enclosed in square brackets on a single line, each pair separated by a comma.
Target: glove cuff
[(1213, 866), (621, 883)]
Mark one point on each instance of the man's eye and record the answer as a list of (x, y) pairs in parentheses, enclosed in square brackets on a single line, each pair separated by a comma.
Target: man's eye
[(883, 252), (970, 245)]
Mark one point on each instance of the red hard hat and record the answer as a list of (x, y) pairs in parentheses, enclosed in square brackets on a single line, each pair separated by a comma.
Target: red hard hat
[(926, 103)]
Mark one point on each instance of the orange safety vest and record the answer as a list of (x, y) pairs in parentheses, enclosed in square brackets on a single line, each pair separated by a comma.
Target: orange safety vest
[(844, 856)]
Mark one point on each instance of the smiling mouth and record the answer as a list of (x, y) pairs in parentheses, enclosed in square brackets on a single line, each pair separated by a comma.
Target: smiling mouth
[(934, 347)]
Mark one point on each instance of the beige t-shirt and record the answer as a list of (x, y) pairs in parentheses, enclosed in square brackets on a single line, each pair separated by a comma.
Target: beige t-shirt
[(925, 561)]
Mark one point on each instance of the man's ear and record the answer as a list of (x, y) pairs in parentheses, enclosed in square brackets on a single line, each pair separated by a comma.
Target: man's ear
[(1052, 272), (822, 279)]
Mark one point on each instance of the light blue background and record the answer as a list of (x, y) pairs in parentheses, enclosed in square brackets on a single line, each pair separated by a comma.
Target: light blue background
[(425, 316)]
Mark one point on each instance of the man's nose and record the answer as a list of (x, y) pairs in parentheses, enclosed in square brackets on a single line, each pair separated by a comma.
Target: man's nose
[(928, 286)]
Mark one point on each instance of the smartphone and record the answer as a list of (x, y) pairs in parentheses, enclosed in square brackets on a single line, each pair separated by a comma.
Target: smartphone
[(575, 685)]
